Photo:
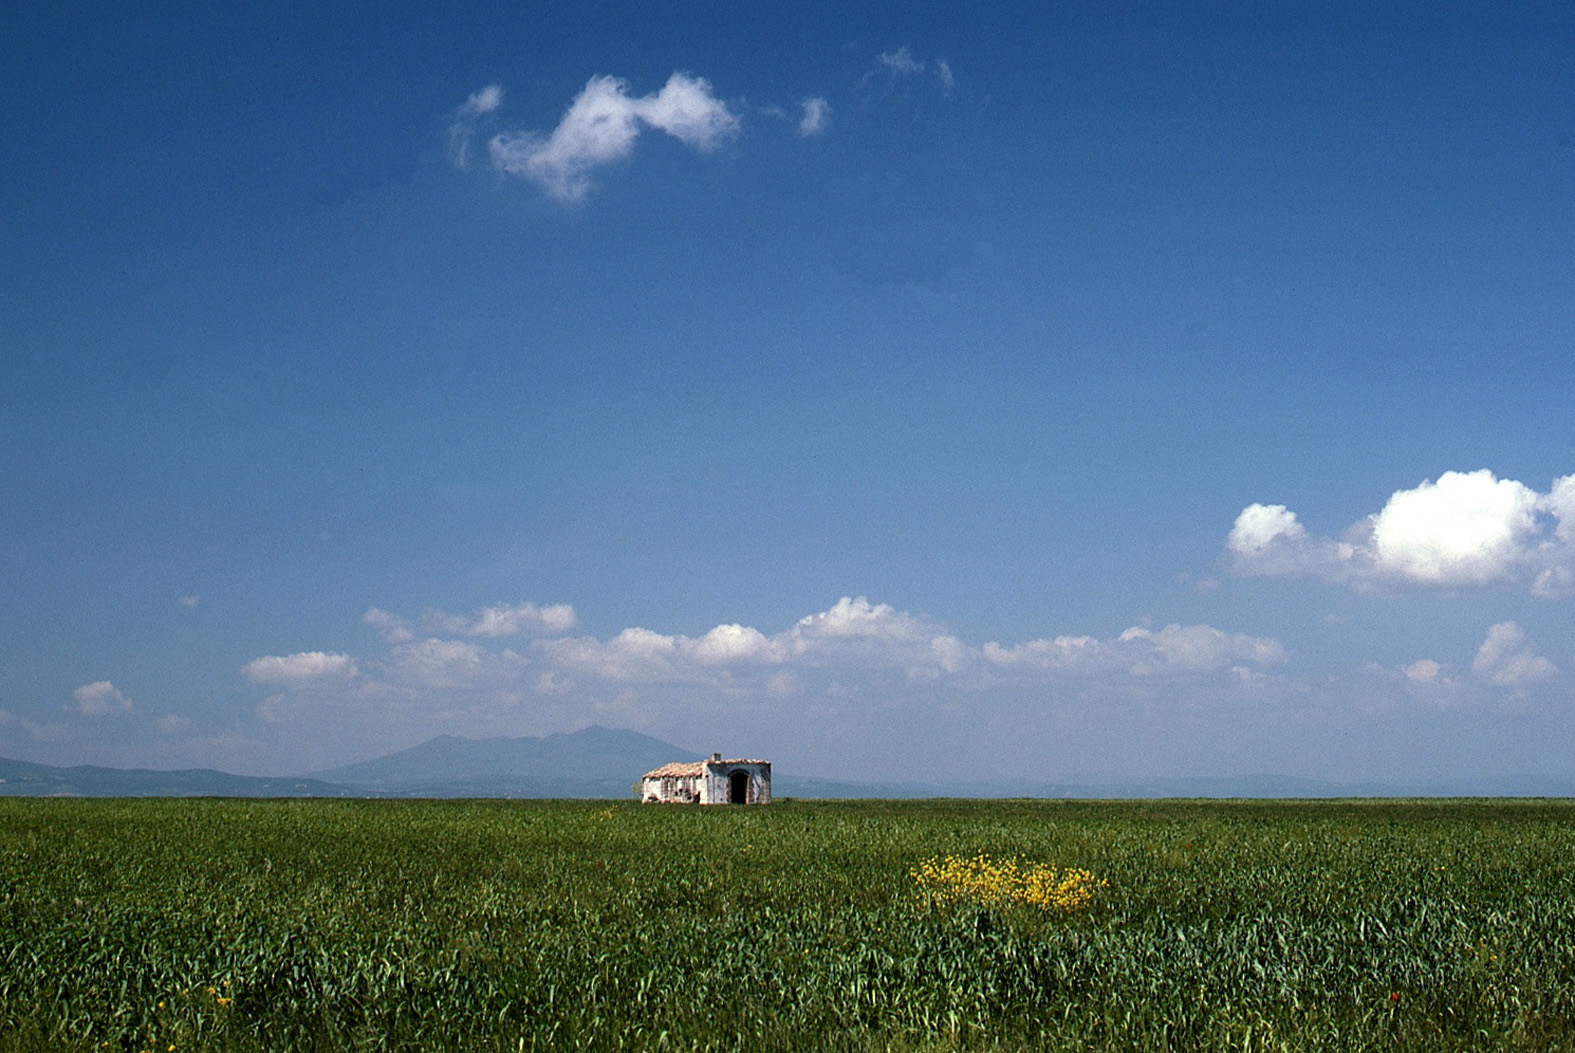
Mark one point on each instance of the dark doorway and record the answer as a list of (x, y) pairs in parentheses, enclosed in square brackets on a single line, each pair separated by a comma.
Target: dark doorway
[(738, 788)]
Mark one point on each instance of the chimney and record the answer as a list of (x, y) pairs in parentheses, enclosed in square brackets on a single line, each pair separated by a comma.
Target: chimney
[(716, 758)]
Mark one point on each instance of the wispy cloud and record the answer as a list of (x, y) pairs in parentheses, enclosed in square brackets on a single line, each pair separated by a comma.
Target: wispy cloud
[(502, 619), (816, 113), (462, 125), (901, 64), (943, 70), (1466, 529), (601, 126)]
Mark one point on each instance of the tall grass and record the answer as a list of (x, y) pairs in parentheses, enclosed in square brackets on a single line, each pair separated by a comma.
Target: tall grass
[(328, 925)]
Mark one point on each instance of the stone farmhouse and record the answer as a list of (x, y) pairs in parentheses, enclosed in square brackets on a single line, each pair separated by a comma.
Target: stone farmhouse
[(714, 781)]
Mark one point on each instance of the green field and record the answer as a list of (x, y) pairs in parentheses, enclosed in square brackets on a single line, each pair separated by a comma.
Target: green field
[(325, 925)]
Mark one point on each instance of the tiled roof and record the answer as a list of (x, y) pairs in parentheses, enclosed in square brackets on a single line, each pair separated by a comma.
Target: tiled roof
[(668, 770), (691, 768)]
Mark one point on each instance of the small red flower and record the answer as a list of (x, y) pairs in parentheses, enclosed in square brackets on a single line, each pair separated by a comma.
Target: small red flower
[(1394, 996)]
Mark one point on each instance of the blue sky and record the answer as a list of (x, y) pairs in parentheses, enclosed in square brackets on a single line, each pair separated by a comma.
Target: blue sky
[(1100, 390)]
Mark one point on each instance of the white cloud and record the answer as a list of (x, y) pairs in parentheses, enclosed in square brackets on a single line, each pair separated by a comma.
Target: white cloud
[(391, 627), (506, 620), (190, 602), (859, 671), (502, 619), (816, 112), (1507, 658), (300, 668), (1260, 527), (855, 638), (858, 619), (1141, 652), (434, 663), (1466, 529), (1200, 647), (733, 643), (601, 126), (100, 699), (847, 663), (483, 101)]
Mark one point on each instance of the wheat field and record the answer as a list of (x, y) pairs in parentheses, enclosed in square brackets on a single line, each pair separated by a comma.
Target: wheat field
[(918, 925)]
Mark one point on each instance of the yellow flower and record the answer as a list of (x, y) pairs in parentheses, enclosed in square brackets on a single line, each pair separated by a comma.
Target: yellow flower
[(988, 882)]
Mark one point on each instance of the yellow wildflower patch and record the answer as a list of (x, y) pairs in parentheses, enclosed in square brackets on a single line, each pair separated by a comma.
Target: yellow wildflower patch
[(987, 882)]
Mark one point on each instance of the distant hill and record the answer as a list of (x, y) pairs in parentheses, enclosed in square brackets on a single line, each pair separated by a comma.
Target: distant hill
[(591, 762), (21, 779), (598, 762)]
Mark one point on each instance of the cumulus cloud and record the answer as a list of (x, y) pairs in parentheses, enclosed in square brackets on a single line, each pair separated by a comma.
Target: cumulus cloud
[(601, 126), (856, 638), (100, 699), (816, 112), (1508, 659), (832, 674), (300, 668), (445, 672), (1465, 529), (853, 671)]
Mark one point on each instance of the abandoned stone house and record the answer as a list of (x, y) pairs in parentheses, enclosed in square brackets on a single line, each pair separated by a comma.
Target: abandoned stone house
[(714, 781)]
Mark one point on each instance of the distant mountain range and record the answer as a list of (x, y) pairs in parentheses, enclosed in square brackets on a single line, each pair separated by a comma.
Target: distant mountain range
[(597, 762), (591, 762)]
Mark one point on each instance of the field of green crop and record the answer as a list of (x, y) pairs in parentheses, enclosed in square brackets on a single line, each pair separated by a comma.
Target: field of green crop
[(336, 925)]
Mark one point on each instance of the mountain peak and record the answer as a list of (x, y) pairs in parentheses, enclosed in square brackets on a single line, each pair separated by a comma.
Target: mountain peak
[(590, 754)]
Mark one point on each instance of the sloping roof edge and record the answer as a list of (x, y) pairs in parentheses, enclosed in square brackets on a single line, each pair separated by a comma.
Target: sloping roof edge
[(691, 768)]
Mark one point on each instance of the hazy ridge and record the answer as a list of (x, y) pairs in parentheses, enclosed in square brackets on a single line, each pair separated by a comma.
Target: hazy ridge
[(598, 762)]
